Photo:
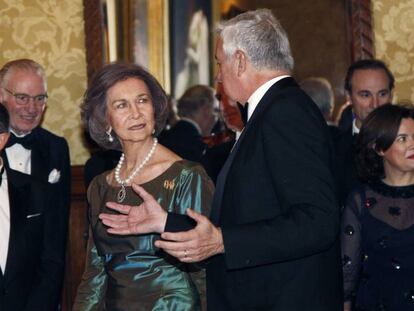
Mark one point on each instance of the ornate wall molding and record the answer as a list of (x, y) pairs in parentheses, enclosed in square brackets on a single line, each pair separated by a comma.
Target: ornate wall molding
[(93, 36), (360, 29)]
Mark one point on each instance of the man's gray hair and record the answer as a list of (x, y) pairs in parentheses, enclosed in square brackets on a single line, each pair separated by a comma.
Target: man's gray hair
[(320, 90), (260, 36), (21, 64), (193, 99)]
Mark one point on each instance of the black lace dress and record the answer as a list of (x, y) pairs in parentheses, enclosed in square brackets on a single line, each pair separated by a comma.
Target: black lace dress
[(378, 248)]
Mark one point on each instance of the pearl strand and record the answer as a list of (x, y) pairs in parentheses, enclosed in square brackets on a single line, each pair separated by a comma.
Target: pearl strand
[(123, 183)]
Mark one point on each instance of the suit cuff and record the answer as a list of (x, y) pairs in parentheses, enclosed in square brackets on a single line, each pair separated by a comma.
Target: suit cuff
[(177, 222)]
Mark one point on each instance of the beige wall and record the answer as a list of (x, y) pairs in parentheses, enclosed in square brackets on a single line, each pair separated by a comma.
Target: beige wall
[(51, 32), (394, 41)]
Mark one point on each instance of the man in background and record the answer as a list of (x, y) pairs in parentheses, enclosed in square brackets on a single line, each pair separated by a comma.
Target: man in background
[(196, 109), (320, 90), (216, 155), (368, 84), (32, 244), (31, 149)]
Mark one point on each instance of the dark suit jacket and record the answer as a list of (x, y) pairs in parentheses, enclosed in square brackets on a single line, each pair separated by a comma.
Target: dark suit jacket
[(345, 169), (276, 205), (50, 152), (35, 262), (184, 139)]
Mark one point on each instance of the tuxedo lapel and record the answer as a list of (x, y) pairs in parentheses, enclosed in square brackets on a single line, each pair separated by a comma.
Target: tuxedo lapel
[(222, 177), (221, 181)]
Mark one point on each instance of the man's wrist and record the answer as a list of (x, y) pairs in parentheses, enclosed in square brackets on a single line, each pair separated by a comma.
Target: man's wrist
[(220, 243)]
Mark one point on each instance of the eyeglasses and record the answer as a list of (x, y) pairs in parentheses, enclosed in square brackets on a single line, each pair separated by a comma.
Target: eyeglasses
[(24, 99)]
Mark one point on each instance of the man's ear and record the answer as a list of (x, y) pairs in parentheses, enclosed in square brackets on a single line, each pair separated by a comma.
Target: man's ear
[(4, 137), (240, 62), (348, 97)]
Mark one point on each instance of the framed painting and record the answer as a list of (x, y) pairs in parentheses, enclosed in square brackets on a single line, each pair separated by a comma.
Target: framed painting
[(190, 45)]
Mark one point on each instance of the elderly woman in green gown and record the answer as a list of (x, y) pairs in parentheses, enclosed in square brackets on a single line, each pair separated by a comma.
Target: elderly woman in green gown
[(125, 108)]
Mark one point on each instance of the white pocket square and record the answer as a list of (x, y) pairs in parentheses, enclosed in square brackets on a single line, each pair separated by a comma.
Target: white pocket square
[(33, 215), (54, 176)]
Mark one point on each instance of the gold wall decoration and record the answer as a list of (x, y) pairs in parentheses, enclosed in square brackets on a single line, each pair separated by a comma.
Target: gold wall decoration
[(394, 43), (51, 32)]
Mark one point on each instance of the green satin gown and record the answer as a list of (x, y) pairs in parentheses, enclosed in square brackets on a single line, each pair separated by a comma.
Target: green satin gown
[(129, 272)]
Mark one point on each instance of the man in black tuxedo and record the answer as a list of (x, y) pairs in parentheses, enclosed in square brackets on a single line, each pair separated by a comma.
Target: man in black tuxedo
[(196, 108), (31, 149), (368, 84), (31, 246), (272, 239)]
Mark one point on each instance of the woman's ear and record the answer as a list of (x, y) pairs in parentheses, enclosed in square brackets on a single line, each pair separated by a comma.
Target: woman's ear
[(379, 152)]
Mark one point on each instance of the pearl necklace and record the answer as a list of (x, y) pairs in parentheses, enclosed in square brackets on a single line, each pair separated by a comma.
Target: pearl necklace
[(122, 193)]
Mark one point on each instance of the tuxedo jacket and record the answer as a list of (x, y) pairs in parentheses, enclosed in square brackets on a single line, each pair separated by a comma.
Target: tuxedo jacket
[(185, 140), (345, 169), (50, 152), (35, 263), (276, 205)]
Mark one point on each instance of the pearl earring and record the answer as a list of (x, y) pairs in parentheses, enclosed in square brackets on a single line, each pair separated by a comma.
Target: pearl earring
[(110, 137)]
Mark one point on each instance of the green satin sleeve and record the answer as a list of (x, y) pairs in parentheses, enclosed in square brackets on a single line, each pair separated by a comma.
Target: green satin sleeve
[(196, 191), (91, 291)]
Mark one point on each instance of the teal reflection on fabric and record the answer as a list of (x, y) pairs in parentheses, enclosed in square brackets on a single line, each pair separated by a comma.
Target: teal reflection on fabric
[(129, 272)]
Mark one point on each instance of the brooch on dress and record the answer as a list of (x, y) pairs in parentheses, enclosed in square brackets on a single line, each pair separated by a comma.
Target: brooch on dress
[(169, 184)]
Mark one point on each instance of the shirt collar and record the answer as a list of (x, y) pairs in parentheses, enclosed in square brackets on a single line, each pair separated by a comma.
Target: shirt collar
[(257, 95), (355, 129), (17, 135)]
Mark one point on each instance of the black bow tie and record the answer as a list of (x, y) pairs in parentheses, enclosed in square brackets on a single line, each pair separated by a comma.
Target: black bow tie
[(243, 111), (25, 141)]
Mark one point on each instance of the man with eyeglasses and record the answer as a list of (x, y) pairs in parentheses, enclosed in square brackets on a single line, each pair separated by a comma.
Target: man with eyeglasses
[(31, 149)]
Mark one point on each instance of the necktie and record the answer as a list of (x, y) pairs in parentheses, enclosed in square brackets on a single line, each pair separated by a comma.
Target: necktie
[(25, 141), (243, 111)]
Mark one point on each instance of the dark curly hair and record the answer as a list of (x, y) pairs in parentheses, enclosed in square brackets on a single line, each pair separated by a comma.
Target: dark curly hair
[(94, 109), (378, 132)]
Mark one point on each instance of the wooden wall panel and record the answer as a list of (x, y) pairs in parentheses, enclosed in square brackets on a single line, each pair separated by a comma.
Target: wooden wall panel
[(76, 247)]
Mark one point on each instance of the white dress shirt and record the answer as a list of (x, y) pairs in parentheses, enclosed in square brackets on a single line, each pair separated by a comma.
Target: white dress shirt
[(4, 220), (355, 129)]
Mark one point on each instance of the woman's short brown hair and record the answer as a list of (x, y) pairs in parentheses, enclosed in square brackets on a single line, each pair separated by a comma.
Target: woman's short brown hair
[(94, 109)]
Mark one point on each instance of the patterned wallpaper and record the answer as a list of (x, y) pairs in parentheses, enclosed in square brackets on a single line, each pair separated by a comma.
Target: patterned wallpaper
[(51, 33), (394, 42)]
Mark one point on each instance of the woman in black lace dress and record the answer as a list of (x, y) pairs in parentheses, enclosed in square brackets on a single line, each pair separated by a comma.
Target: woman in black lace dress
[(377, 227)]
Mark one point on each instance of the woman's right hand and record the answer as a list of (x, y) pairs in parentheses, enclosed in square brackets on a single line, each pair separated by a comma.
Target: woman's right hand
[(148, 217), (347, 306)]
